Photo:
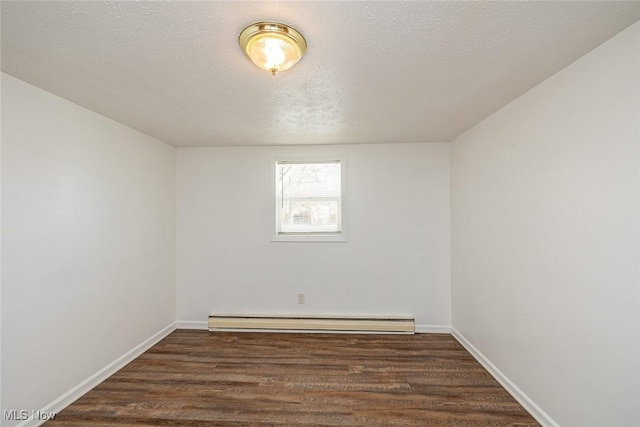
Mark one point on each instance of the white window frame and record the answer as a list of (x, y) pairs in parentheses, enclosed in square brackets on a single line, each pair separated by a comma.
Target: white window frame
[(309, 237)]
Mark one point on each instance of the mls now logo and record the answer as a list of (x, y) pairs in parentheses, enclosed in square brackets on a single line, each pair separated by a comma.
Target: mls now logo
[(23, 414)]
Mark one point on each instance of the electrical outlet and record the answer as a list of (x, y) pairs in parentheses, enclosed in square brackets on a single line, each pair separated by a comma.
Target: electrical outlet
[(300, 298)]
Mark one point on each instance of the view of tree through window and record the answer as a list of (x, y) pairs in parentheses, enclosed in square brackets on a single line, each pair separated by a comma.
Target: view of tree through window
[(308, 197)]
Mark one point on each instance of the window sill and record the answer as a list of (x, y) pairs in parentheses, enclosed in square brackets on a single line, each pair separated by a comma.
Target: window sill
[(309, 238)]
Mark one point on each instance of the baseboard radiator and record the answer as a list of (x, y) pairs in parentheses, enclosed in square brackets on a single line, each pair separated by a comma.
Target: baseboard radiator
[(293, 323)]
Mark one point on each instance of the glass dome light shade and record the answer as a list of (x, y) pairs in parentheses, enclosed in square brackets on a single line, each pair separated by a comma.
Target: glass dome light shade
[(272, 46)]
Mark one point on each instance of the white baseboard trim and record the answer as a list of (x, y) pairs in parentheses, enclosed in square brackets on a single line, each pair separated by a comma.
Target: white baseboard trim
[(201, 325), (78, 391), (433, 329), (527, 403)]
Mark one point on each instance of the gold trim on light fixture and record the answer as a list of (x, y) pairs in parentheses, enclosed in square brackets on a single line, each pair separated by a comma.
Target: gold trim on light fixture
[(272, 46)]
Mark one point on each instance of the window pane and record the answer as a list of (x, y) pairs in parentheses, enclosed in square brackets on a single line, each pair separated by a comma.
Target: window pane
[(310, 179), (309, 216), (309, 197)]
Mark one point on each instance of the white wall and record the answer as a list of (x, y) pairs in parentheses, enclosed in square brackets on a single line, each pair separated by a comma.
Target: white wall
[(1, 406), (545, 238), (396, 259), (88, 244)]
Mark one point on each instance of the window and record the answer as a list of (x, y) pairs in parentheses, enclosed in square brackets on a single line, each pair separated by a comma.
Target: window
[(309, 200)]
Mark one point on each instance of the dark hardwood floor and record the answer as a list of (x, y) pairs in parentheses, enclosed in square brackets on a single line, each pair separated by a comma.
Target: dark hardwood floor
[(197, 378)]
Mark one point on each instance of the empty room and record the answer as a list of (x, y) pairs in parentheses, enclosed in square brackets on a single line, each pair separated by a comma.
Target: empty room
[(322, 213)]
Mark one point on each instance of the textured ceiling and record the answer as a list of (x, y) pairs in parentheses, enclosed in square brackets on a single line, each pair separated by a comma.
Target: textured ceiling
[(374, 71)]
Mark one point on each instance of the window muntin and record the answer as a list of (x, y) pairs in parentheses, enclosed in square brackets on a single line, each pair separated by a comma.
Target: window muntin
[(308, 198)]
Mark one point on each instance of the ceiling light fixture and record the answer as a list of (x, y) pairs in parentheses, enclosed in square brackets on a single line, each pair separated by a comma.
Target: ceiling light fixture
[(272, 46)]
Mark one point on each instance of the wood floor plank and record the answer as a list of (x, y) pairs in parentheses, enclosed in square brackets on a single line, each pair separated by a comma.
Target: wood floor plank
[(197, 378)]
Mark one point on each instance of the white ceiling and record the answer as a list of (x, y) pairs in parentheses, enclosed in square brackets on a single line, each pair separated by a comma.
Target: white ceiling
[(413, 71)]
